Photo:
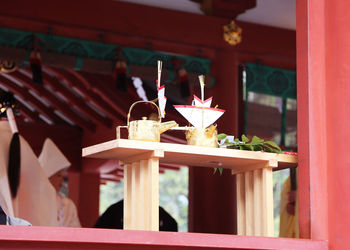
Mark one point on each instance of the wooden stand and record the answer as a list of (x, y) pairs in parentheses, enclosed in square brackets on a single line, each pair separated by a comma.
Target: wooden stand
[(141, 192), (141, 165), (255, 202)]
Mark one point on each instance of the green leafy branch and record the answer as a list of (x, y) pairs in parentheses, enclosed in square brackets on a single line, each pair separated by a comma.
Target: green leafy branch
[(255, 144)]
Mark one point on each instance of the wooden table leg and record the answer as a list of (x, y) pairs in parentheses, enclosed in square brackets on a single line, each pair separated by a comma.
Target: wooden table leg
[(267, 199), (241, 230), (127, 197), (153, 199), (255, 202), (141, 193)]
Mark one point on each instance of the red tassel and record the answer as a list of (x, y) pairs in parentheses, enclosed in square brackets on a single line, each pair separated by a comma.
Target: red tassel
[(35, 64), (120, 76), (184, 83)]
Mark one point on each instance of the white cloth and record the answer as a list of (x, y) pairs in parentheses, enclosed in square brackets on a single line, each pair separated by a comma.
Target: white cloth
[(36, 198), (139, 89), (52, 159), (67, 212), (17, 221)]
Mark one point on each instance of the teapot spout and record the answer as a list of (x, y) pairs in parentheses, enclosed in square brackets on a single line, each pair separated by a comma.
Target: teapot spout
[(164, 126)]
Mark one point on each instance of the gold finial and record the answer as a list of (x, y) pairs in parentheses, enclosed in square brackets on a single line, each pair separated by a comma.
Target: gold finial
[(232, 33), (201, 81)]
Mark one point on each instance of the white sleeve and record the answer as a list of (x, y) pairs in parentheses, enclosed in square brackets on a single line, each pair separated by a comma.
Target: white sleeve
[(70, 217), (17, 221)]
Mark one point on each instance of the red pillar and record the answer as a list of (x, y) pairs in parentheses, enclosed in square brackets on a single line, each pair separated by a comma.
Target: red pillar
[(337, 49), (89, 195), (324, 120), (74, 186), (212, 198), (312, 133), (212, 201)]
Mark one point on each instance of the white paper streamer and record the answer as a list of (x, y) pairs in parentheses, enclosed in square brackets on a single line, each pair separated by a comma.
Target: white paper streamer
[(201, 81), (159, 72), (11, 119), (139, 89)]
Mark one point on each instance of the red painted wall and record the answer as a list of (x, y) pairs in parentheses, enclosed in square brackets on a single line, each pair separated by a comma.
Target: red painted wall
[(312, 135), (323, 120), (337, 39)]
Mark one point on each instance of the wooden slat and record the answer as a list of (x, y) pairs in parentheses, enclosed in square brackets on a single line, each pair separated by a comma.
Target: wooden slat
[(96, 92), (137, 196), (241, 216), (33, 116), (258, 194), (84, 87), (127, 196), (76, 101), (144, 195), (153, 199), (120, 101), (249, 202), (133, 196), (267, 207), (53, 100), (25, 95)]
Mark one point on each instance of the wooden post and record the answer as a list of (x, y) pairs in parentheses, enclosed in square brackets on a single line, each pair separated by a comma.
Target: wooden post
[(127, 196), (141, 192), (241, 216), (255, 201), (153, 191)]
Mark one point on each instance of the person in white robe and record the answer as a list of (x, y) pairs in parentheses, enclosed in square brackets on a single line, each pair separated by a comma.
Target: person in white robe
[(55, 164), (34, 199)]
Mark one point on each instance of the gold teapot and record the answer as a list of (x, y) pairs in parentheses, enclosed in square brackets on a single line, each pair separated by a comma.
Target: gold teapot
[(145, 129)]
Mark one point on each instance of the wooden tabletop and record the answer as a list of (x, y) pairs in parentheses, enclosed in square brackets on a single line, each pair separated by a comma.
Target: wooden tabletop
[(238, 161)]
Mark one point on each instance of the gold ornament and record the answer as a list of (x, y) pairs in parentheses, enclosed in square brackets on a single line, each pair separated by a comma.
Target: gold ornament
[(7, 66), (232, 33)]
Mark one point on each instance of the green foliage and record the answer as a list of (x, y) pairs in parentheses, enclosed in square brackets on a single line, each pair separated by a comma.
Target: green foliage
[(222, 136), (255, 144), (279, 178), (218, 169), (110, 193), (245, 139), (173, 195)]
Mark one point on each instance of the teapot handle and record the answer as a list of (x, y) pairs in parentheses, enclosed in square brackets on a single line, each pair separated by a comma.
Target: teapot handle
[(132, 106)]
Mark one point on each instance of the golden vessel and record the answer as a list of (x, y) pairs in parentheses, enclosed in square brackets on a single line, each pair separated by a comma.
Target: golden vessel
[(146, 130), (206, 137)]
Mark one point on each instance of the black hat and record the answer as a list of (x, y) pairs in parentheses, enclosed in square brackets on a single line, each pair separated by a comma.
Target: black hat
[(6, 100)]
